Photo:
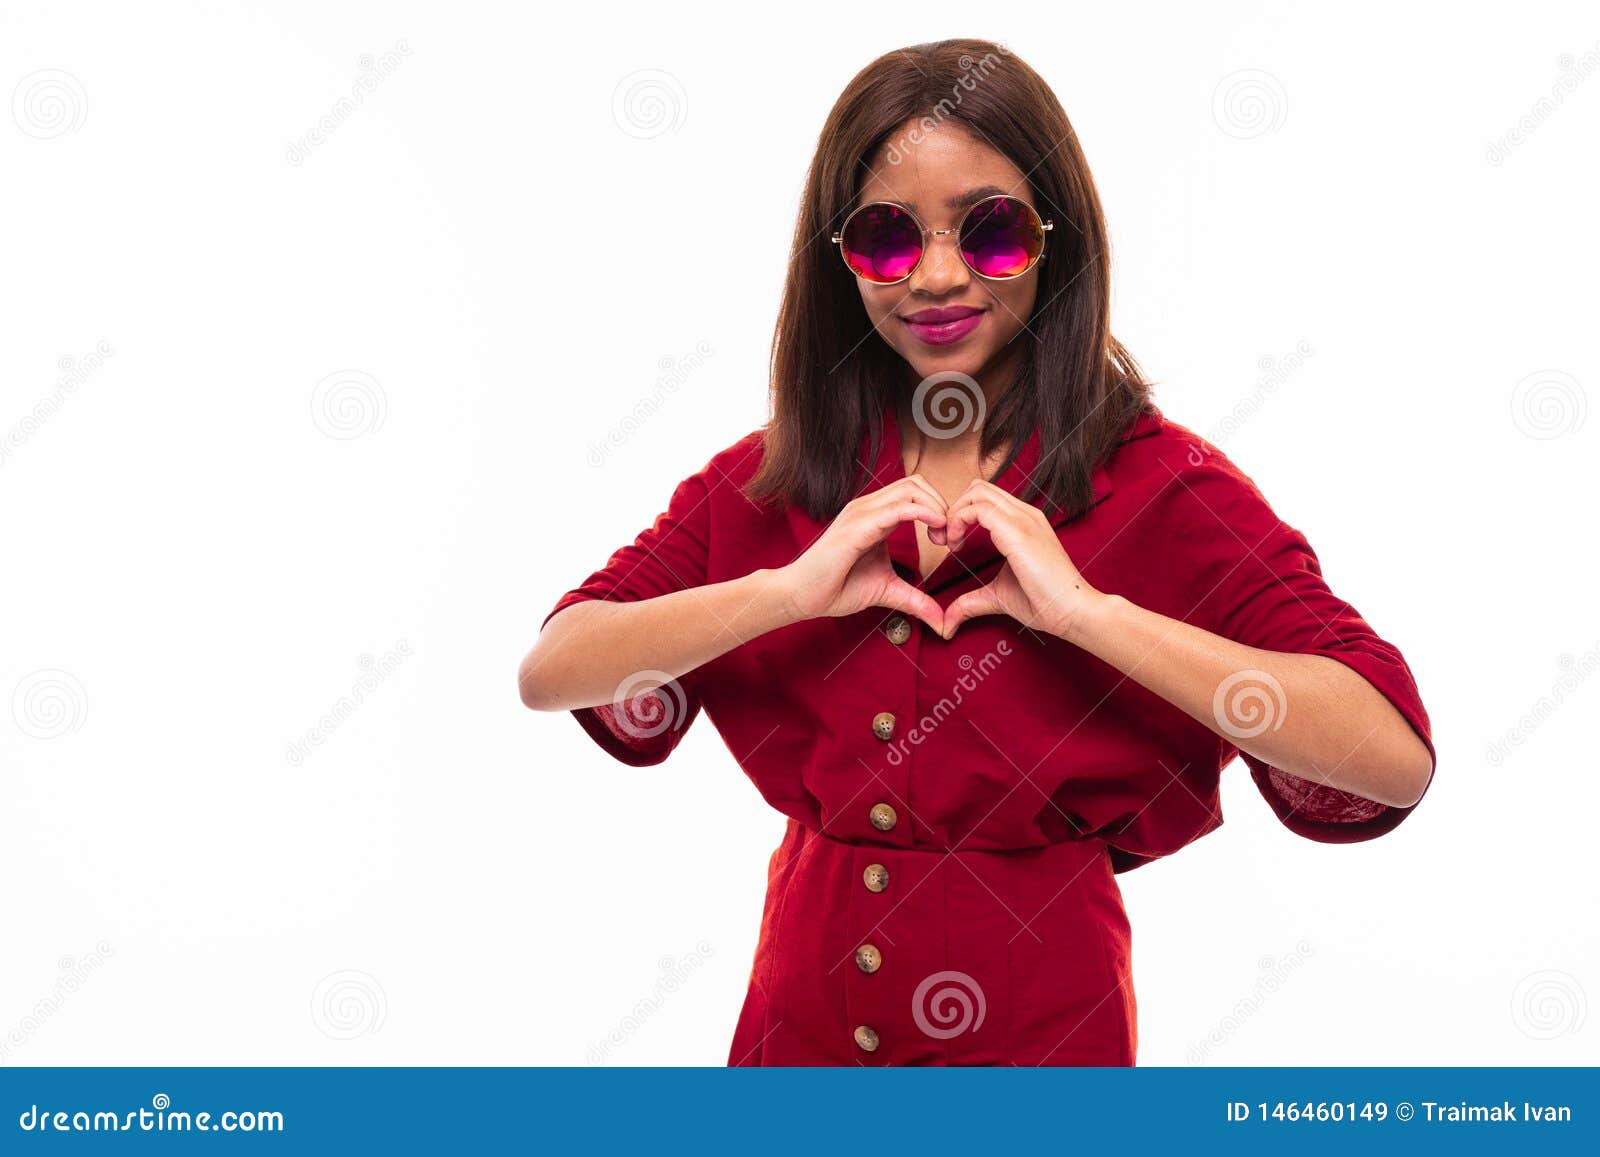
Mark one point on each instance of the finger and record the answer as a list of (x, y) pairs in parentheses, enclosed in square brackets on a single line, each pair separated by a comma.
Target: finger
[(901, 491), (975, 509), (974, 604), (979, 491), (927, 488), (884, 519), (993, 510), (871, 510), (1004, 500), (981, 486), (900, 595), (997, 492), (905, 490)]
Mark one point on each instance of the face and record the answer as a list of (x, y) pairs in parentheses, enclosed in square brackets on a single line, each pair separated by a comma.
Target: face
[(945, 317)]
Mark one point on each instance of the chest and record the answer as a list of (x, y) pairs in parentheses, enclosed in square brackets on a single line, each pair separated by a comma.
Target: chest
[(951, 479)]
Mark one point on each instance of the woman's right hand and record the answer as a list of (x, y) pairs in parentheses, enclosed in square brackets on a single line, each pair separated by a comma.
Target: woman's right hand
[(848, 570)]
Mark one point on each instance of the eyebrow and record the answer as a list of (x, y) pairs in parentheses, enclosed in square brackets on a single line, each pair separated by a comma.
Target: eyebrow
[(969, 198)]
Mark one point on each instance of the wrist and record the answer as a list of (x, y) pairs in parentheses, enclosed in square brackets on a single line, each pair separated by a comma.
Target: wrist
[(1090, 618), (772, 595)]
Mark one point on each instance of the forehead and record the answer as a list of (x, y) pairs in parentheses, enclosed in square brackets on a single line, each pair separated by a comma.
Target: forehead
[(933, 167)]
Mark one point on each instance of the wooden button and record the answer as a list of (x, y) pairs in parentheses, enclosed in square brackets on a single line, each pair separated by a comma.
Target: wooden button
[(876, 877), (883, 726), (883, 816), (866, 1039), (868, 958), (898, 629)]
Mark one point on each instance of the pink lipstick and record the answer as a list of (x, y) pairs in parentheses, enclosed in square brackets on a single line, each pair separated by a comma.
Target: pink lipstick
[(943, 326)]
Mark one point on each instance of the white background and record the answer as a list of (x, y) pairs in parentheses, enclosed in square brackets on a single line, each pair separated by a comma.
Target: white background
[(202, 548)]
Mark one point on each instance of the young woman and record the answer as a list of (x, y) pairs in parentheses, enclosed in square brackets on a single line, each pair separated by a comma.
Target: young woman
[(970, 611)]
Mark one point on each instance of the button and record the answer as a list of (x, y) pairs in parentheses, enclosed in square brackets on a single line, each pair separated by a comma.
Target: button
[(883, 726), (868, 958), (882, 816), (876, 877), (898, 630), (866, 1039)]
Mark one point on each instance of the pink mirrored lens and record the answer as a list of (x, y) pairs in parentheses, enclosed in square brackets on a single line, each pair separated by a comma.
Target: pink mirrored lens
[(882, 243), (1001, 238)]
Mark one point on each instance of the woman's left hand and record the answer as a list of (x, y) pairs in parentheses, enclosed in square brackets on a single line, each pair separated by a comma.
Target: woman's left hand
[(1037, 585)]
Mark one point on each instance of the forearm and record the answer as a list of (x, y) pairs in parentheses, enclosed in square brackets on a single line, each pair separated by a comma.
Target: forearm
[(585, 653), (1319, 719)]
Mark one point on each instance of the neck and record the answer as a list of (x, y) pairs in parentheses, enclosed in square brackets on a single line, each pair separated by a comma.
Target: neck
[(955, 417)]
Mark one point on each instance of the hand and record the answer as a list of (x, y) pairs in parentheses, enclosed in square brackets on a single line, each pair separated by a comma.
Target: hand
[(1037, 585), (848, 569)]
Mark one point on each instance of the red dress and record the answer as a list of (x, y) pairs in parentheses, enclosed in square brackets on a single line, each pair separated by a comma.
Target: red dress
[(945, 889)]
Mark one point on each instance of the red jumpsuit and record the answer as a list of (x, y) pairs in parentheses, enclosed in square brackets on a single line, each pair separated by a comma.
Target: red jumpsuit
[(945, 890)]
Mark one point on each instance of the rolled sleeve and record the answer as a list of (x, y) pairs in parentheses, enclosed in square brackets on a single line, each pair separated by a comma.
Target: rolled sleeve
[(1274, 597), (642, 728)]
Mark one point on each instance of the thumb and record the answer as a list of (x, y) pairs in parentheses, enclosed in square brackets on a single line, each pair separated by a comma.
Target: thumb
[(974, 604), (899, 595)]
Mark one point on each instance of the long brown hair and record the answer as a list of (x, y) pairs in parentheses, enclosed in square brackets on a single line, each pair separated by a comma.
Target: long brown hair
[(831, 377)]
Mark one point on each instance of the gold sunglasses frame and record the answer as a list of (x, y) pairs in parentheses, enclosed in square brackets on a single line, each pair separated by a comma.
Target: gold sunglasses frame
[(1045, 225)]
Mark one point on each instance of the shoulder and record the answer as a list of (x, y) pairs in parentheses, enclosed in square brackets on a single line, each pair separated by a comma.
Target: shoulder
[(734, 464), (1166, 470), (719, 482), (738, 463), (1158, 451)]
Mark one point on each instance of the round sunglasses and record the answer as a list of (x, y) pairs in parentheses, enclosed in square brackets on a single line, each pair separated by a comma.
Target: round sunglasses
[(1000, 237)]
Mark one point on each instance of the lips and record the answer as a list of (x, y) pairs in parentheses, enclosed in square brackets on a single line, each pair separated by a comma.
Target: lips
[(943, 326)]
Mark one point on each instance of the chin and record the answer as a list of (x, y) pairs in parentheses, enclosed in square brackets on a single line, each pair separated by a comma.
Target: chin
[(928, 360)]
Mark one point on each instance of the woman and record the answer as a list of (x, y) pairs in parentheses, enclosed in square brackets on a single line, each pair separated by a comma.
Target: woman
[(970, 611)]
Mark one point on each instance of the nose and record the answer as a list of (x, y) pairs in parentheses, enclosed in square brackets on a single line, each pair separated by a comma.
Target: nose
[(942, 272)]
